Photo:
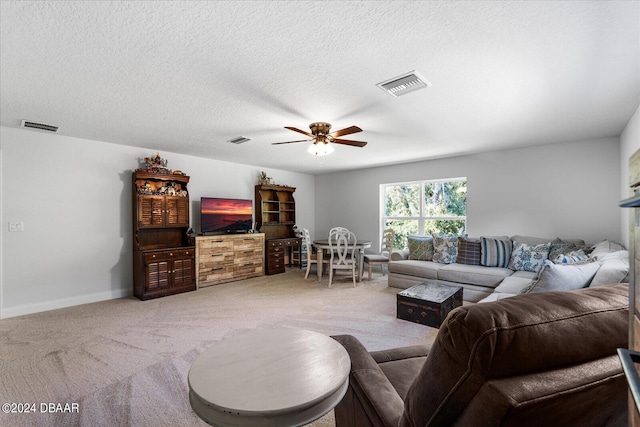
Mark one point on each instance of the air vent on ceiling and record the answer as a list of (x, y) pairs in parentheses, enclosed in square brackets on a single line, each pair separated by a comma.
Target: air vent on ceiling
[(41, 126), (239, 140), (404, 84)]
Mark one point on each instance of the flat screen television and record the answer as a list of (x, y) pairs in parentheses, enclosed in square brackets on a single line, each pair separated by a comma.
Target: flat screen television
[(220, 215)]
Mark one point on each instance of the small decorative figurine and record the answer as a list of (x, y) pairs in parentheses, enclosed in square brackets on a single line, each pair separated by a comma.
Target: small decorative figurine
[(263, 179), (155, 164)]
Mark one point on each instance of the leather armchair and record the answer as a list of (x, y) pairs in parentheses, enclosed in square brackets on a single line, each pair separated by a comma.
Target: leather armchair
[(529, 360)]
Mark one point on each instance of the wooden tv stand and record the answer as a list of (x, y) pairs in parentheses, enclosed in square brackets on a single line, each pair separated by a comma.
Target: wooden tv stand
[(228, 257)]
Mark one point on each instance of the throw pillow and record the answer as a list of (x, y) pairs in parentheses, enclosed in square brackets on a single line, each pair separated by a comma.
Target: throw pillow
[(614, 268), (495, 252), (420, 247), (570, 258), (605, 247), (527, 257), (469, 251), (561, 277), (445, 248), (559, 247)]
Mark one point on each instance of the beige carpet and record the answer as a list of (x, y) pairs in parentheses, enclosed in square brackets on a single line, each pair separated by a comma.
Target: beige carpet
[(125, 362)]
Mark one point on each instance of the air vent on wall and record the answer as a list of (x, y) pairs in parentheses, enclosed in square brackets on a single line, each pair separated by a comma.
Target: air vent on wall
[(41, 126), (404, 84), (239, 140)]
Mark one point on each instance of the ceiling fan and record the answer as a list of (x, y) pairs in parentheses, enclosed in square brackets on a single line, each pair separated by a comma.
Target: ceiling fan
[(321, 137)]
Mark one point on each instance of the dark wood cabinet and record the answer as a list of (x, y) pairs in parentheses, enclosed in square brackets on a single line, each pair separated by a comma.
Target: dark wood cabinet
[(163, 256), (163, 211), (275, 217)]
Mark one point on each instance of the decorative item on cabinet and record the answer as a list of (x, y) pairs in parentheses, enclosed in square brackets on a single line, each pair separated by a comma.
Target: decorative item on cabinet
[(163, 255), (275, 216)]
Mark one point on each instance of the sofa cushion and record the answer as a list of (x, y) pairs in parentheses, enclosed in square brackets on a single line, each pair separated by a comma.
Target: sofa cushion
[(425, 269), (528, 257), (564, 277), (495, 296), (495, 252), (420, 247), (445, 248), (473, 274), (614, 268), (605, 247), (513, 285), (517, 336), (469, 251), (531, 275)]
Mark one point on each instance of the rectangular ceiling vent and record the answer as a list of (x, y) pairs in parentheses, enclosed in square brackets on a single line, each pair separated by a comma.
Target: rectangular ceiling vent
[(41, 126), (404, 84), (239, 140)]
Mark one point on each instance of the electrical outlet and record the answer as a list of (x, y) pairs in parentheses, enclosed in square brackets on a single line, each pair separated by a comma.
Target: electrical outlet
[(16, 226)]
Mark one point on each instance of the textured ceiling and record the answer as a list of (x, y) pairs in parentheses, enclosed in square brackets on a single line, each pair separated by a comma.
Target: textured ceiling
[(185, 77)]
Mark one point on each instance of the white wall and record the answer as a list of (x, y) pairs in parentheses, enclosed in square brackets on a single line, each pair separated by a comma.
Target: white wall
[(567, 190), (74, 197), (629, 144)]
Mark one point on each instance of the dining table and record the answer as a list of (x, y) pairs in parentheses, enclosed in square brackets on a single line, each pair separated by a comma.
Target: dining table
[(323, 244)]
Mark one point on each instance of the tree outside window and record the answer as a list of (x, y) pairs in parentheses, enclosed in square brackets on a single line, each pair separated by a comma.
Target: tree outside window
[(424, 207)]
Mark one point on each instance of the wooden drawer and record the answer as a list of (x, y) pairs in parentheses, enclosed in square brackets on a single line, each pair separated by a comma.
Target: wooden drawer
[(248, 256), (168, 254), (248, 269), (274, 244), (186, 253), (215, 274), (248, 243), (215, 260), (217, 245)]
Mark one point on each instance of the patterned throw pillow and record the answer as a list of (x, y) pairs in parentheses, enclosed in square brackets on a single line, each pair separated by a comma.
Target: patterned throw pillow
[(559, 246), (572, 257), (495, 252), (445, 248), (526, 257), (420, 247), (469, 251)]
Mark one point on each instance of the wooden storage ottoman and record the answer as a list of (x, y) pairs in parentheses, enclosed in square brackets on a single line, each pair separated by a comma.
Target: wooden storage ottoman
[(428, 303)]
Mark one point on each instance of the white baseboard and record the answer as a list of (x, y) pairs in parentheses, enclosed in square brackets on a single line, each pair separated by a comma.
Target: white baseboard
[(63, 303)]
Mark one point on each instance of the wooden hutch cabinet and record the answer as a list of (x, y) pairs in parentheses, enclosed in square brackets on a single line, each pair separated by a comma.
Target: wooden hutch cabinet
[(275, 217), (163, 257)]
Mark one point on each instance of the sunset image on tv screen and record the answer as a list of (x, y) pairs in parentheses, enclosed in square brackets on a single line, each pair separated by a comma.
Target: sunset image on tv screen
[(221, 214)]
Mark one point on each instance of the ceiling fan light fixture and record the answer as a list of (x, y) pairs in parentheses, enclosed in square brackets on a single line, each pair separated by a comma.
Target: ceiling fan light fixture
[(320, 149)]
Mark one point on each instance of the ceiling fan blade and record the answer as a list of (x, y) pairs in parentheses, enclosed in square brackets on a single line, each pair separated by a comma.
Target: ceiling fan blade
[(298, 130), (346, 131), (350, 142), (289, 142)]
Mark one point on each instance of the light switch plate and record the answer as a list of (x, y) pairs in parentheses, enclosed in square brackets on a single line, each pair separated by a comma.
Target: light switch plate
[(16, 226)]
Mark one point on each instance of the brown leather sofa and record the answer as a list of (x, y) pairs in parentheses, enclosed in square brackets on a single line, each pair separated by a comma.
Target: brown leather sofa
[(531, 360)]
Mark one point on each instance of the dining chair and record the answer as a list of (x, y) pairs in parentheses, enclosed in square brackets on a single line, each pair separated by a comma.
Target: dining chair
[(386, 247), (342, 245), (311, 252)]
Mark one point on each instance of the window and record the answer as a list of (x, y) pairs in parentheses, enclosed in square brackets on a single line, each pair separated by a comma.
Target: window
[(424, 207)]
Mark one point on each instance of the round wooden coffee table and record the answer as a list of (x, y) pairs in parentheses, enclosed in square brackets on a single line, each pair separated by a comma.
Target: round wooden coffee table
[(278, 377)]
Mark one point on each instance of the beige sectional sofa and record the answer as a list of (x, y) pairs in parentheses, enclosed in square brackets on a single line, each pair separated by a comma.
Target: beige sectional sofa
[(602, 263)]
